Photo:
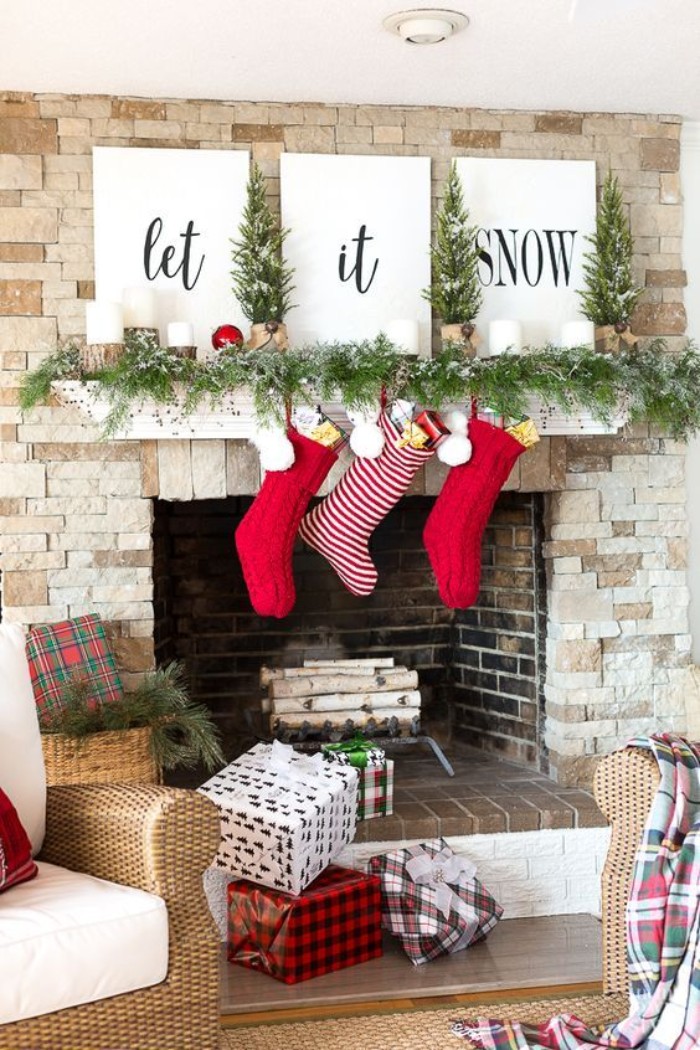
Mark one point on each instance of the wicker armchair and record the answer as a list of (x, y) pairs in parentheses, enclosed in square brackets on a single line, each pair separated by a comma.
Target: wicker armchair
[(625, 784), (157, 839)]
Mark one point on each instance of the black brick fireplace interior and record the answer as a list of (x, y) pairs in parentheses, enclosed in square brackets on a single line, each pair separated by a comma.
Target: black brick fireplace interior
[(480, 670)]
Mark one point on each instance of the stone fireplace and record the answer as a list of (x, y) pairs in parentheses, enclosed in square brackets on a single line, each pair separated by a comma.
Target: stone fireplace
[(578, 640), (605, 651)]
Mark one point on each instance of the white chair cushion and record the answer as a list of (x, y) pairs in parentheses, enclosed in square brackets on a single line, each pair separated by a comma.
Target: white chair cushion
[(68, 938), (22, 775)]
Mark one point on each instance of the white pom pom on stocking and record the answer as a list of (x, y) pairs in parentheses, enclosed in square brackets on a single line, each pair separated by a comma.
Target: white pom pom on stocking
[(457, 448), (367, 438), (275, 448)]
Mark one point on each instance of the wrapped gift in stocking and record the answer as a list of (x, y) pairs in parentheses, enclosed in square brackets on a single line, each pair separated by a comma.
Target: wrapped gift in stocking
[(265, 537), (456, 524), (340, 527)]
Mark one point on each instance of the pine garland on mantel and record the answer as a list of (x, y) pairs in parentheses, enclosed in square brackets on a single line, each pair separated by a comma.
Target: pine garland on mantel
[(652, 384)]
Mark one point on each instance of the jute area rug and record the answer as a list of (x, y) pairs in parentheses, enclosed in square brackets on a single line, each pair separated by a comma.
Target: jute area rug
[(413, 1029)]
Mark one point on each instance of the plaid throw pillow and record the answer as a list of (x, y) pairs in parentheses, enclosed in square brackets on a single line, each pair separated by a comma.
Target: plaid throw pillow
[(438, 911), (72, 649), (16, 863)]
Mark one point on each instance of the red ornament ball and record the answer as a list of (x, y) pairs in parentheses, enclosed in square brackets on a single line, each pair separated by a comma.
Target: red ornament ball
[(226, 335)]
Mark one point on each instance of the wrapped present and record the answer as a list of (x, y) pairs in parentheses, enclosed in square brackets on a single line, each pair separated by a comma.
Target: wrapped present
[(375, 789), (413, 436), (434, 427), (316, 425), (489, 415), (401, 412), (284, 816), (335, 923), (525, 432), (76, 648), (432, 900), (358, 752)]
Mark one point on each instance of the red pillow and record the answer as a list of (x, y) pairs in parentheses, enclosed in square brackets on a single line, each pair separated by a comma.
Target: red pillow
[(16, 862)]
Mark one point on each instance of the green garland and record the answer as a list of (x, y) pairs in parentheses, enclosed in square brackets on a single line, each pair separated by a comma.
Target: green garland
[(654, 385)]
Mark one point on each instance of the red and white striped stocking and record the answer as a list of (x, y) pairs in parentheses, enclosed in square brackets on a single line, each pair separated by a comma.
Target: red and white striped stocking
[(340, 527)]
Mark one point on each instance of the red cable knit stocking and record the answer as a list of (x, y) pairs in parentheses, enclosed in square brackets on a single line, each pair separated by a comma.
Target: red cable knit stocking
[(265, 537), (454, 528), (340, 527)]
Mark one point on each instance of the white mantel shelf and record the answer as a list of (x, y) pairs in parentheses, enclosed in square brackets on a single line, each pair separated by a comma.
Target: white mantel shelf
[(233, 416)]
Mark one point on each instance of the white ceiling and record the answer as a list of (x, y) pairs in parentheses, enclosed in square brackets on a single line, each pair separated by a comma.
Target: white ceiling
[(609, 55)]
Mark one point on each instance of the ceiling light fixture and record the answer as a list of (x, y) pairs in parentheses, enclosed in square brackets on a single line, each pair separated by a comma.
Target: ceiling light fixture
[(425, 25)]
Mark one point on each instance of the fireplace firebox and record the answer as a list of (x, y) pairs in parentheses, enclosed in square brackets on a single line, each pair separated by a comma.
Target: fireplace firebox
[(480, 671)]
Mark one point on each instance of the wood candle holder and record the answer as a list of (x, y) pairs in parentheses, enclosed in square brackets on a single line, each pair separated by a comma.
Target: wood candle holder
[(147, 333), (183, 351), (96, 357)]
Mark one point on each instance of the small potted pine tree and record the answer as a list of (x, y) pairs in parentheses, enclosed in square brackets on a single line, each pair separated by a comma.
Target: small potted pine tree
[(262, 282), (455, 293), (610, 294)]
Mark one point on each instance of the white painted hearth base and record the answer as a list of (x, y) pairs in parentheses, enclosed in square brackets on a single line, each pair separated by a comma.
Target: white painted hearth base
[(528, 872)]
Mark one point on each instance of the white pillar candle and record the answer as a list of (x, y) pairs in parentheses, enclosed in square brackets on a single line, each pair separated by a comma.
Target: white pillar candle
[(180, 333), (140, 308), (404, 333), (578, 333), (504, 335), (104, 322)]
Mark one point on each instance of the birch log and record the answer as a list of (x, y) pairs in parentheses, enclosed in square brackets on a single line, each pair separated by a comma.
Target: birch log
[(341, 702), (326, 684), (403, 717), (369, 661), (276, 674)]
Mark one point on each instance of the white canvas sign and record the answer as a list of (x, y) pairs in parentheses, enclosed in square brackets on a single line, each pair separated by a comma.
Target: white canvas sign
[(164, 218), (533, 217), (359, 242)]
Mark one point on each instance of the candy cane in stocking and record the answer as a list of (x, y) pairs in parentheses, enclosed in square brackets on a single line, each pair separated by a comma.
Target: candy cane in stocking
[(455, 526), (340, 527)]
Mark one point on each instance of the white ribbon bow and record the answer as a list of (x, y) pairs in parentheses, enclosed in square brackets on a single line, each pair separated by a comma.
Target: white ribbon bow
[(441, 873), (304, 768)]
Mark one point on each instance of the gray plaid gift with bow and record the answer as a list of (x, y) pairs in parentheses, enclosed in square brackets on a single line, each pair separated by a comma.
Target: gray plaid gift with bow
[(432, 900)]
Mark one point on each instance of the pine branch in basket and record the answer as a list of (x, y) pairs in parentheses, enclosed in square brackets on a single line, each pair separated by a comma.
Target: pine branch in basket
[(182, 732)]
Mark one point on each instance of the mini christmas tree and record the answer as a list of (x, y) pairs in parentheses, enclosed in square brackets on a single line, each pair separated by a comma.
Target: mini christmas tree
[(262, 282), (455, 294), (610, 295)]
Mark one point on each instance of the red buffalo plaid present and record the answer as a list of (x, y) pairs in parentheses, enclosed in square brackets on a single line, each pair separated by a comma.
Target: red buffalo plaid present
[(432, 900), (333, 924), (72, 649)]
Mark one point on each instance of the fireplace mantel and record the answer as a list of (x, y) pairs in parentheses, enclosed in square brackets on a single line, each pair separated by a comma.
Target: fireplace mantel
[(233, 416)]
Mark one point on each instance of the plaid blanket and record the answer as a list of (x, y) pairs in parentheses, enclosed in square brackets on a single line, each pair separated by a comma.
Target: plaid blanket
[(663, 931)]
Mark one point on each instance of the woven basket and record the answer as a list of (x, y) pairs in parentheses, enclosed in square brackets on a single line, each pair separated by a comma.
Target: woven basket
[(117, 756)]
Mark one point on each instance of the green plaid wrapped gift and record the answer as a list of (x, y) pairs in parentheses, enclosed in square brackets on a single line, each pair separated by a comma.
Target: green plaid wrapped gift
[(75, 648), (375, 791), (432, 900), (375, 787)]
